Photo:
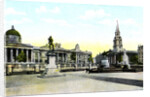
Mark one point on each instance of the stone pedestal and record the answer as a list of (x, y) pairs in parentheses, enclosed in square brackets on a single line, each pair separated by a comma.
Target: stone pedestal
[(37, 69), (51, 68), (9, 69)]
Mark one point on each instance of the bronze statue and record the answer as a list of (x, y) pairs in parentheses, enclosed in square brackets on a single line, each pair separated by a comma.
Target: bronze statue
[(51, 44)]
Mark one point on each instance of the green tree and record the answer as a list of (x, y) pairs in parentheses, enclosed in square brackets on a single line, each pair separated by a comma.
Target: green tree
[(134, 59), (21, 57), (73, 56), (90, 59), (105, 53)]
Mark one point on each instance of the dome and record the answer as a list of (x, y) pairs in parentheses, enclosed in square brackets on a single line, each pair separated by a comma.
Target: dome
[(77, 47), (13, 36), (12, 31)]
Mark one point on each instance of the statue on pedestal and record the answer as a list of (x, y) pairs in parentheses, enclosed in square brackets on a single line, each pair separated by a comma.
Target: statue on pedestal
[(51, 44), (51, 67)]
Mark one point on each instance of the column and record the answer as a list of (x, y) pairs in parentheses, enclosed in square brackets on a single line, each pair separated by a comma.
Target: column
[(115, 59), (11, 55), (27, 55), (85, 59), (76, 61), (57, 57), (66, 57), (38, 57), (32, 56), (62, 57), (5, 54), (76, 58), (16, 54)]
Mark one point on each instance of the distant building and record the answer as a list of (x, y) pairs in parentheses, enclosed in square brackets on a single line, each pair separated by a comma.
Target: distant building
[(114, 56), (140, 53), (35, 57)]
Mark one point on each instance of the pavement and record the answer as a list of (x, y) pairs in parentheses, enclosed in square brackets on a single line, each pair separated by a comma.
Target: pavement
[(73, 82)]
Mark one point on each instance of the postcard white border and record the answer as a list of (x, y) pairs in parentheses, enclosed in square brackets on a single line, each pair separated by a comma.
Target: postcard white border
[(144, 3)]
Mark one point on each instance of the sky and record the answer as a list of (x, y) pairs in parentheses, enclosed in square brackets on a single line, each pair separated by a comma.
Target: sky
[(91, 26)]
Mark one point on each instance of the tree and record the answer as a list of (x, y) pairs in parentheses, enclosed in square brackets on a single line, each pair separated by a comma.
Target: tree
[(21, 57), (106, 53), (90, 59), (134, 59), (73, 56)]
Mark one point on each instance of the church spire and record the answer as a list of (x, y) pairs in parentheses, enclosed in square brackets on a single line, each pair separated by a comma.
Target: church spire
[(117, 29), (117, 40)]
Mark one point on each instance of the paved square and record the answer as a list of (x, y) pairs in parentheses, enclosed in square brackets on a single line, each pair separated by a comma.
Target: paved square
[(73, 82)]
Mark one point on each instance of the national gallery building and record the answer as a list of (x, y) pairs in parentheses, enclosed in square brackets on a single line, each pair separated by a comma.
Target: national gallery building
[(20, 57)]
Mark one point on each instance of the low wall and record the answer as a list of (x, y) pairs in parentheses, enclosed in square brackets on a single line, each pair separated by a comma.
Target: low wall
[(39, 68)]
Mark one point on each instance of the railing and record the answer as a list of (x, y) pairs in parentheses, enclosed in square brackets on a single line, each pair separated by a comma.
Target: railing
[(76, 66), (32, 67)]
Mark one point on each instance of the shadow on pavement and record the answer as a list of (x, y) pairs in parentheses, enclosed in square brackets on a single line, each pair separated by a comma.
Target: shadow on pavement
[(117, 80)]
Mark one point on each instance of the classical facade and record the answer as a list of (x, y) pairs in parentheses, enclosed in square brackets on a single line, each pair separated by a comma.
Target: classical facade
[(140, 53), (21, 57)]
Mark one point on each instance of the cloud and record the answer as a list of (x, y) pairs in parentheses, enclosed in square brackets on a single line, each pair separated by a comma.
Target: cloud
[(43, 9), (135, 33), (55, 21), (12, 11), (94, 14), (129, 22), (55, 10), (106, 22), (21, 21), (126, 22)]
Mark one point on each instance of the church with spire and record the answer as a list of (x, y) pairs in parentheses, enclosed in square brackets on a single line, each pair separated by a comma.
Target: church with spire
[(114, 55), (117, 42)]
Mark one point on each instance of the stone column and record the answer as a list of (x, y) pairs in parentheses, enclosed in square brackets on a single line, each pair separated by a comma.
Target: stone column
[(76, 58), (11, 55), (111, 60), (27, 55), (5, 54), (85, 59), (76, 61), (33, 57), (62, 57), (66, 57), (115, 59), (16, 54), (38, 57), (57, 57)]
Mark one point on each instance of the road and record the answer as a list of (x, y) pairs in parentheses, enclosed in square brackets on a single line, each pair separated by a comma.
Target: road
[(73, 82)]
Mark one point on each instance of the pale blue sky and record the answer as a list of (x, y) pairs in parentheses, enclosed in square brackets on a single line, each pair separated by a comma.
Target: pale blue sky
[(74, 23)]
